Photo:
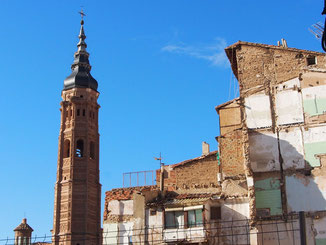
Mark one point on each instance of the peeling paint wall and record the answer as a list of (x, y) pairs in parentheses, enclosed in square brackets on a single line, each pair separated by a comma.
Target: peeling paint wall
[(234, 213), (270, 237), (263, 151), (314, 100), (154, 222), (305, 193), (319, 225), (291, 147), (314, 143), (283, 101)]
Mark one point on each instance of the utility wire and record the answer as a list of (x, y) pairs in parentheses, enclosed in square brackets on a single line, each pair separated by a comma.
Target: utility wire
[(229, 229)]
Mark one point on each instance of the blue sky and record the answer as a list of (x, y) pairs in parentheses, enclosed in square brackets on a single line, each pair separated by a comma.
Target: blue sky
[(161, 71)]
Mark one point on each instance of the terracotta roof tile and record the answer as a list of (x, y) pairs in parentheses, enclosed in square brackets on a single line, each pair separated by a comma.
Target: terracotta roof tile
[(192, 160)]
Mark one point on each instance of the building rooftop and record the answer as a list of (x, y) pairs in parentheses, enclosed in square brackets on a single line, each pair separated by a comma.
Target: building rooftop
[(231, 52), (23, 226)]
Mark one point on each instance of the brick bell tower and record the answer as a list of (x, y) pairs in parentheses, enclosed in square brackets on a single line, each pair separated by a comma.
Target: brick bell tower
[(77, 205)]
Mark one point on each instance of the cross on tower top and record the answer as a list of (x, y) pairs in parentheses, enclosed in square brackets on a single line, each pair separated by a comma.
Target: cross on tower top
[(82, 14)]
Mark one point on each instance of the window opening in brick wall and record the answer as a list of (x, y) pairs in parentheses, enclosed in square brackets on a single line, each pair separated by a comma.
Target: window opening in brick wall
[(66, 148), (311, 60), (80, 148), (216, 213)]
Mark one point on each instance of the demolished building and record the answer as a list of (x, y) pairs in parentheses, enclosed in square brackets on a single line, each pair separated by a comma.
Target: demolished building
[(266, 184)]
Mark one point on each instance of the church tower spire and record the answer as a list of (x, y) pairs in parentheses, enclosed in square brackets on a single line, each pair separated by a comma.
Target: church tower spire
[(80, 76), (77, 205)]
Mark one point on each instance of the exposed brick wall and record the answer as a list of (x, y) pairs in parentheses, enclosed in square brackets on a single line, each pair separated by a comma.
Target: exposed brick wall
[(232, 155), (197, 174), (230, 116), (258, 64)]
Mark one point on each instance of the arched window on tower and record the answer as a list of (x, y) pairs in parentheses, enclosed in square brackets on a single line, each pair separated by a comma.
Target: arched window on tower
[(92, 150), (79, 148), (66, 148)]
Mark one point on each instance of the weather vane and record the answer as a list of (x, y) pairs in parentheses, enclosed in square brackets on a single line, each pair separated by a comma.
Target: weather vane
[(159, 159)]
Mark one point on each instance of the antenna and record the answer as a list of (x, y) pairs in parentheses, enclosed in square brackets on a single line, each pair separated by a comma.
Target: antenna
[(317, 29), (160, 159)]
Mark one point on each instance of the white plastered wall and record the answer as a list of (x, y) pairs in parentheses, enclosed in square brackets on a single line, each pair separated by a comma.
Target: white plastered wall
[(258, 111), (120, 207), (263, 151), (288, 102)]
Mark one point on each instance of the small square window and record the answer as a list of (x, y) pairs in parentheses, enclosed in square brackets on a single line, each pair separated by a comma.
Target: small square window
[(311, 60), (215, 213)]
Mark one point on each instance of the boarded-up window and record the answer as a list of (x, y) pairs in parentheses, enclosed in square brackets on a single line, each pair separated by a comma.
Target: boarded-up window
[(215, 213), (268, 197)]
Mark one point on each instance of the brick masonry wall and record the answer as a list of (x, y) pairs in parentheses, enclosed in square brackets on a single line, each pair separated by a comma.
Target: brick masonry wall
[(232, 154), (230, 117), (260, 65), (194, 175), (198, 174)]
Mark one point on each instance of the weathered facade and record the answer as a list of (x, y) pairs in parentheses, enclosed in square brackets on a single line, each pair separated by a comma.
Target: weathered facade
[(266, 184), (281, 108)]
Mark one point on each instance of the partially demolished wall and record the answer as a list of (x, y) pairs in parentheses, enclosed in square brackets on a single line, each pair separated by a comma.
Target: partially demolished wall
[(283, 132)]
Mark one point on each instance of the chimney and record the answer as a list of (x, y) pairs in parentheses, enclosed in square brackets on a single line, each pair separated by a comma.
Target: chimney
[(205, 148), (284, 43)]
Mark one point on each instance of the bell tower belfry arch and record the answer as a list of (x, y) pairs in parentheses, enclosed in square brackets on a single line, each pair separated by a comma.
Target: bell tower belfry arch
[(77, 205)]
